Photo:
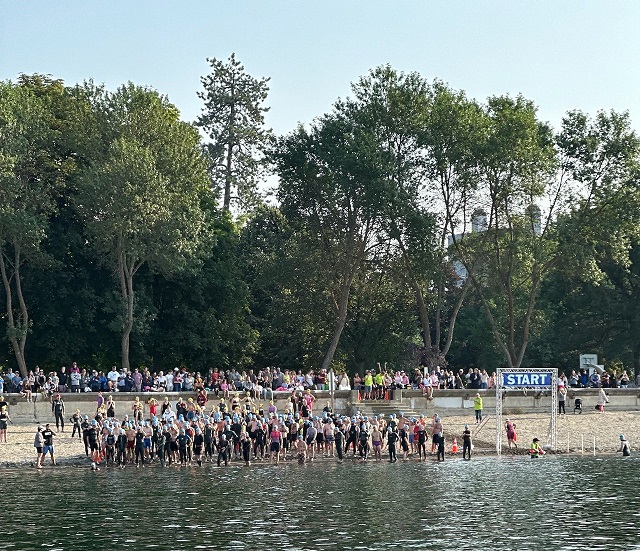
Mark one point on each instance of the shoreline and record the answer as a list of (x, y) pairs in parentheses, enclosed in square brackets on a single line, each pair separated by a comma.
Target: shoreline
[(575, 436)]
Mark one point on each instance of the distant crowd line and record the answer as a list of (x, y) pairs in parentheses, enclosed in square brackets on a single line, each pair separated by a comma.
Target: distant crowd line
[(374, 384)]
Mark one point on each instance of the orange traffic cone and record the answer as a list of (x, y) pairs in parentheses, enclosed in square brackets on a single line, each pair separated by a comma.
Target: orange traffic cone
[(454, 446)]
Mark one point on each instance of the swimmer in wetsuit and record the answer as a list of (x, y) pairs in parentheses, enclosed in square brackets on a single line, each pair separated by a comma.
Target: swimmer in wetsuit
[(76, 420), (245, 443), (352, 437), (110, 448), (466, 443), (392, 439), (363, 445), (139, 446), (223, 450), (422, 442), (339, 437), (121, 446)]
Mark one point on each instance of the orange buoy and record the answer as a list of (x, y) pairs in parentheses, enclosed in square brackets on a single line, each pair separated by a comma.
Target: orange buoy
[(454, 446)]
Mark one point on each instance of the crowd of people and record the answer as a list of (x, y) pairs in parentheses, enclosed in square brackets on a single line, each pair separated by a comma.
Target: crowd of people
[(380, 384), (260, 384), (375, 384), (240, 429)]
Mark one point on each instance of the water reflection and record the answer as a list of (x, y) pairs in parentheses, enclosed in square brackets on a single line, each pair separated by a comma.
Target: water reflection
[(511, 503)]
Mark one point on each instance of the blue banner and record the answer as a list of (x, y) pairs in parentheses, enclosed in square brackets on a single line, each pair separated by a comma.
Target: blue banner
[(524, 379)]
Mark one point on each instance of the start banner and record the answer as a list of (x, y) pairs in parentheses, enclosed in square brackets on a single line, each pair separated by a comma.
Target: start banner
[(524, 379)]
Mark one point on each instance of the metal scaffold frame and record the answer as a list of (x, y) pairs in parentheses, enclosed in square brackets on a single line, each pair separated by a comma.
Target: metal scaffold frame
[(501, 390)]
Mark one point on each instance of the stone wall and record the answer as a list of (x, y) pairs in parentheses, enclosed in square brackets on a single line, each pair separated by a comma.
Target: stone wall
[(346, 402)]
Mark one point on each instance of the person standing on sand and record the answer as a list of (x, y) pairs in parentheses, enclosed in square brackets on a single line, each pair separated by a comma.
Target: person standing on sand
[(38, 444), (440, 455), (477, 407), (562, 398), (48, 435), (466, 443), (512, 437), (57, 408), (602, 400), (4, 419)]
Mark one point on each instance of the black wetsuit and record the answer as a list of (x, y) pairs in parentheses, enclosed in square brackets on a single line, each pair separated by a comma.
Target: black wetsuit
[(466, 444), (182, 447), (259, 442), (162, 439), (57, 407), (440, 442), (364, 443), (77, 425), (208, 441), (422, 439), (139, 447), (339, 436), (392, 440), (92, 438), (85, 435), (246, 450), (198, 442), (111, 444), (121, 445), (353, 438), (223, 452)]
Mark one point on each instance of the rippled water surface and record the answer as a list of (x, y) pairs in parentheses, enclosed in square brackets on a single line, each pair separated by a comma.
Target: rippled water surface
[(488, 503)]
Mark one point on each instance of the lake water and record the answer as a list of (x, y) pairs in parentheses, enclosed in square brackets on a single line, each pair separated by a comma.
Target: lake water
[(571, 503)]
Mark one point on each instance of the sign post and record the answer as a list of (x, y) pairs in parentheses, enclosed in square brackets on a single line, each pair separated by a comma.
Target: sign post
[(527, 378)]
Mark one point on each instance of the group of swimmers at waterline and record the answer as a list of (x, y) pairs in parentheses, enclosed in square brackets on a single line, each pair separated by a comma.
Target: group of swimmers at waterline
[(192, 437)]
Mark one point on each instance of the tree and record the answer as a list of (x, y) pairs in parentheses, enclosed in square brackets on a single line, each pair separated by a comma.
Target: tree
[(233, 117), (30, 171), (514, 250), (592, 301), (142, 201), (333, 186), (202, 311)]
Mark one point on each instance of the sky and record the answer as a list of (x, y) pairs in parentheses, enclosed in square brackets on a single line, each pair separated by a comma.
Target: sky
[(563, 55)]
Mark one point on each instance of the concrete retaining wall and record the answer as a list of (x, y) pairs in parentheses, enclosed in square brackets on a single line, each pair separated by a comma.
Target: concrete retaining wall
[(514, 402)]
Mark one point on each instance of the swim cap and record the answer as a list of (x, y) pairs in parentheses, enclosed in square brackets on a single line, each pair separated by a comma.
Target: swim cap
[(466, 426), (622, 437)]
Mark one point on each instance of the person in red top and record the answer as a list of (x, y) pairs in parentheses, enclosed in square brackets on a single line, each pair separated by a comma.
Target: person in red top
[(275, 437), (201, 398), (153, 407)]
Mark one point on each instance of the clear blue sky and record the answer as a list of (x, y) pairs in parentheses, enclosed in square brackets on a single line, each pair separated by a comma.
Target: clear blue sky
[(561, 54)]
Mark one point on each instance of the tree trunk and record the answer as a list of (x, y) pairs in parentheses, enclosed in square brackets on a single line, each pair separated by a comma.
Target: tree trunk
[(454, 317), (228, 176), (424, 316), (17, 345), (126, 287), (343, 306), (227, 179)]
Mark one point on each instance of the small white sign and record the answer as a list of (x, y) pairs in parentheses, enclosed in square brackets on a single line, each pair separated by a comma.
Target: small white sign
[(587, 361)]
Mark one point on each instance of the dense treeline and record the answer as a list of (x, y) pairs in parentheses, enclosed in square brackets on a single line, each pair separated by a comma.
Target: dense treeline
[(413, 225)]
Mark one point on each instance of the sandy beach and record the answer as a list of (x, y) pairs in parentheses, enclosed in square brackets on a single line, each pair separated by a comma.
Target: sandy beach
[(576, 433)]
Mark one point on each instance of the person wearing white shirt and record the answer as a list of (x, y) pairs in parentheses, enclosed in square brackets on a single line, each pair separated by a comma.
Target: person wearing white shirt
[(112, 377)]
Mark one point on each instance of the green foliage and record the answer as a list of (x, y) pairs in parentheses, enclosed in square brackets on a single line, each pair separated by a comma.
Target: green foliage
[(233, 117)]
